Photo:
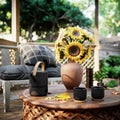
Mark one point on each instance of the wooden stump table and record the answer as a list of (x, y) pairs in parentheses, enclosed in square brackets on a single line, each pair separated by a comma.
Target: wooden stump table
[(47, 108)]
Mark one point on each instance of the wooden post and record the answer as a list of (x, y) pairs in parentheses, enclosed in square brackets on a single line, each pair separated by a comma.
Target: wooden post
[(15, 20), (96, 36), (89, 77)]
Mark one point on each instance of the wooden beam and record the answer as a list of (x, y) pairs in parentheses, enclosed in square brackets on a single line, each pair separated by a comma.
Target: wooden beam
[(96, 32), (7, 42), (15, 20), (96, 37)]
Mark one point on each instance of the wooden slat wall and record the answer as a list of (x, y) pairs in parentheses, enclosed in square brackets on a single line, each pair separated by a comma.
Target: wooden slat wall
[(7, 42)]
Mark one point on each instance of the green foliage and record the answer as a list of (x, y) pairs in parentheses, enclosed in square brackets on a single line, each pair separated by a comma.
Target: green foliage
[(42, 41), (110, 13), (114, 72), (4, 17), (111, 83), (111, 66), (113, 60), (99, 76), (46, 15)]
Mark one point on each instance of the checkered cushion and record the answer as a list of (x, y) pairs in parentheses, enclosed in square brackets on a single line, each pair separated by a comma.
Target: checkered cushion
[(34, 53)]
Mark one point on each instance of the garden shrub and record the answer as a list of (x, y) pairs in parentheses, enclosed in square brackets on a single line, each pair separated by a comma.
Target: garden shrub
[(111, 66), (111, 83)]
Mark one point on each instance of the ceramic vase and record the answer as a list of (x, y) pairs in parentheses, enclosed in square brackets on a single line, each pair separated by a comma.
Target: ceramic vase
[(71, 74)]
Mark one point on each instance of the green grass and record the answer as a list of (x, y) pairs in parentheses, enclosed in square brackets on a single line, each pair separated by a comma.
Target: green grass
[(43, 41)]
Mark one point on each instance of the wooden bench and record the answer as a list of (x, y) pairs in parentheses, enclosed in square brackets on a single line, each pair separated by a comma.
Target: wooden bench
[(10, 55)]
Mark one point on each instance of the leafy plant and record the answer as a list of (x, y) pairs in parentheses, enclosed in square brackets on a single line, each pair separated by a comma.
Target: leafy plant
[(114, 72), (99, 76), (113, 60), (111, 66), (111, 83)]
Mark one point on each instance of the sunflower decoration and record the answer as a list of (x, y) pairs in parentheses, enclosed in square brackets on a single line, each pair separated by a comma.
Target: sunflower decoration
[(73, 44)]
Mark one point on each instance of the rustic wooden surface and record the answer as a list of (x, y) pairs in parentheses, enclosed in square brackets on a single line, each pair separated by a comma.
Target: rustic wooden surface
[(16, 107), (42, 108), (15, 112)]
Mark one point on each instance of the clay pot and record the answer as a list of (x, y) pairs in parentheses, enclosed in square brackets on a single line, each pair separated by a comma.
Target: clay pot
[(71, 74)]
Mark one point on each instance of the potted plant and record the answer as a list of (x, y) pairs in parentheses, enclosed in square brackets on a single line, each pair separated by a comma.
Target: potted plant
[(99, 76)]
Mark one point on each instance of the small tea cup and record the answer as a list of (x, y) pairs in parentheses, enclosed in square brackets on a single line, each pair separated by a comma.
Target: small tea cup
[(79, 93), (97, 92)]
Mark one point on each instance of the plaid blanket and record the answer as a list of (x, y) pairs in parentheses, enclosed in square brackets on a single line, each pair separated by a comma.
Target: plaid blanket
[(34, 53)]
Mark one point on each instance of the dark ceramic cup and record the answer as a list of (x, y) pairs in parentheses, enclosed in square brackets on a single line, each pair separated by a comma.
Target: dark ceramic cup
[(97, 92), (79, 93)]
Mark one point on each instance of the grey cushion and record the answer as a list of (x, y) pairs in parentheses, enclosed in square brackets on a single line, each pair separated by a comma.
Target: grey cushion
[(14, 72), (21, 72), (34, 53), (52, 71)]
